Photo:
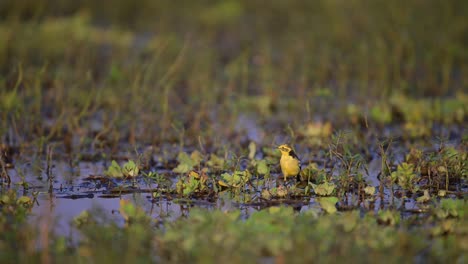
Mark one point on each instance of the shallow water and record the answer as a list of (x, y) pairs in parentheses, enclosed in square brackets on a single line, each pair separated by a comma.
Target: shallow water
[(71, 190)]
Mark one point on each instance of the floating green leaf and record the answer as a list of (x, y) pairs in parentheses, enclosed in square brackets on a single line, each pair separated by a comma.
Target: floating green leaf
[(114, 170), (324, 189), (328, 204), (262, 167), (215, 162), (130, 169), (236, 179), (186, 162)]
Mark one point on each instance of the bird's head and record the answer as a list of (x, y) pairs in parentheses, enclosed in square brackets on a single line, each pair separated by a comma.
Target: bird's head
[(284, 149)]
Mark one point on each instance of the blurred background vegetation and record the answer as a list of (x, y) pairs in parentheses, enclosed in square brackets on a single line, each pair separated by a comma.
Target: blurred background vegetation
[(157, 67)]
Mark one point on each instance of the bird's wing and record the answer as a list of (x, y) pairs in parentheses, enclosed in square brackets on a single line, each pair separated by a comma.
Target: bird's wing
[(293, 154)]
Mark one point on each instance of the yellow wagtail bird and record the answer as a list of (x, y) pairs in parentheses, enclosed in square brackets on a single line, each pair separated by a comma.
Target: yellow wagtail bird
[(289, 162)]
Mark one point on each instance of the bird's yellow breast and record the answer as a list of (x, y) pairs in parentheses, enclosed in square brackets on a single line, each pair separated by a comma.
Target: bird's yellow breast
[(289, 166)]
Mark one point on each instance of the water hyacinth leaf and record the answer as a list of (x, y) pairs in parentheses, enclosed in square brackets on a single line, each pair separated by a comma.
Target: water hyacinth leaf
[(324, 189), (328, 204), (114, 170), (272, 152), (263, 168), (236, 180), (186, 162), (196, 157), (190, 186), (215, 162), (130, 169)]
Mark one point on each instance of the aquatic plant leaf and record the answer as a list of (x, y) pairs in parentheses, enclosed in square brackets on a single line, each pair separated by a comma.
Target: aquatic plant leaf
[(445, 227), (272, 152), (222, 183), (182, 168), (324, 189), (262, 167), (405, 176), (281, 191), (266, 194), (194, 174), (236, 179), (186, 162), (196, 157), (328, 204), (215, 162), (24, 200), (190, 186), (388, 217), (180, 186), (381, 114), (453, 207), (424, 198), (369, 190), (130, 169), (317, 129), (114, 170), (349, 220), (130, 212), (82, 219)]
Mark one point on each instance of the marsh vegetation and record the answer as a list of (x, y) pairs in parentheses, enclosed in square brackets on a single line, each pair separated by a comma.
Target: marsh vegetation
[(146, 131)]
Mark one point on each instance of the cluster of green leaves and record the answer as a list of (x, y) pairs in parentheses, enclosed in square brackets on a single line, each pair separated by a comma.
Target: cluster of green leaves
[(279, 233), (276, 233), (129, 170), (191, 183), (237, 179), (443, 167), (187, 162), (15, 231), (417, 115), (406, 177)]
